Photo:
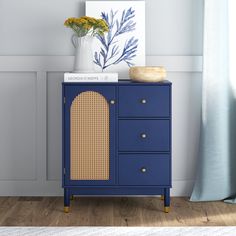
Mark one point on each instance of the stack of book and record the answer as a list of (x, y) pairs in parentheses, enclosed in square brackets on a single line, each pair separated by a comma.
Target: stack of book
[(91, 77)]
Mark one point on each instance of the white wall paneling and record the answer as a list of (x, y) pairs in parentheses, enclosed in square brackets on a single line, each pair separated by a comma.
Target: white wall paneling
[(18, 125), (173, 27), (35, 50), (31, 103), (54, 124), (64, 63)]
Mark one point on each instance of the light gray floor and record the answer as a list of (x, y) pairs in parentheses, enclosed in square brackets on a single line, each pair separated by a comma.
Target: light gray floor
[(117, 231)]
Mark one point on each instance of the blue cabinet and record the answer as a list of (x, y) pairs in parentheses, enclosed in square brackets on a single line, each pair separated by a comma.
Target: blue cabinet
[(116, 139)]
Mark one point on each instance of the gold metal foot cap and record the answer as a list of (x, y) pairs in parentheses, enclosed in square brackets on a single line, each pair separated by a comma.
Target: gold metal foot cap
[(162, 197), (66, 209), (166, 209)]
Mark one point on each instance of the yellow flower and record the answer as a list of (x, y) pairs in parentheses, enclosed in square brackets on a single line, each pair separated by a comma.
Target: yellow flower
[(81, 26), (87, 26), (70, 21), (81, 21), (102, 24), (92, 20)]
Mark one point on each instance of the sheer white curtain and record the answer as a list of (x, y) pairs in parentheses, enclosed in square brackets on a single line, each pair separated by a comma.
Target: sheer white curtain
[(232, 43), (216, 179)]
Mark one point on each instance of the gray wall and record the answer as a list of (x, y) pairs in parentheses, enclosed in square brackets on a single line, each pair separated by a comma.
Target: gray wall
[(35, 50)]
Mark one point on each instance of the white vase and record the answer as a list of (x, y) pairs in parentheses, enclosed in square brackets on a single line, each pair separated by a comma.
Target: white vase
[(83, 53)]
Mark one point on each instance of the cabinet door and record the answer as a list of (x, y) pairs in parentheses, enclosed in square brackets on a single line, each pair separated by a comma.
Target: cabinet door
[(89, 140)]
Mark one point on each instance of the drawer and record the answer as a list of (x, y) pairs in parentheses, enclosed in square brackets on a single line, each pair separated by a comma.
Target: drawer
[(144, 135), (144, 169), (144, 101)]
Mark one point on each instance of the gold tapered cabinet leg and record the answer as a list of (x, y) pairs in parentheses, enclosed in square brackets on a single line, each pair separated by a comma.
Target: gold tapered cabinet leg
[(166, 209), (72, 197), (162, 197), (66, 209)]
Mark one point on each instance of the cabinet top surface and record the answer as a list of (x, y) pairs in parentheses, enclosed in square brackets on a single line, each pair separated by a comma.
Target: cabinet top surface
[(120, 82)]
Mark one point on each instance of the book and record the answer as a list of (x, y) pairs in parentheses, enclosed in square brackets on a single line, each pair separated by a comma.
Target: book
[(91, 77)]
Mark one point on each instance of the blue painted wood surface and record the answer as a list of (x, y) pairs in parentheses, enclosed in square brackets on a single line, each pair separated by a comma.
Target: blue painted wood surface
[(148, 101), (129, 152), (144, 135), (144, 169)]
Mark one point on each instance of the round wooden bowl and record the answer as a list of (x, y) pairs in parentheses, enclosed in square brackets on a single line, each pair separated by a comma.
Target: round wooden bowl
[(147, 73)]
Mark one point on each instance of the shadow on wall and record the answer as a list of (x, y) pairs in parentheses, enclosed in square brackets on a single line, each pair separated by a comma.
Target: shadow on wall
[(232, 138)]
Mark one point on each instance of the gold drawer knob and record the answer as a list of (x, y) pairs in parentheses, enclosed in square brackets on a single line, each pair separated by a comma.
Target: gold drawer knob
[(143, 136), (143, 101), (143, 169), (112, 102)]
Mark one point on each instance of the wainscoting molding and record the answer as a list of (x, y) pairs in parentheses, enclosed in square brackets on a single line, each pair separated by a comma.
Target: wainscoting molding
[(64, 63), (45, 184)]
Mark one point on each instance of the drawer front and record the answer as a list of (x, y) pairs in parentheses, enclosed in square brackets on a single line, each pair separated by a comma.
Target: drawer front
[(144, 101), (144, 135), (144, 169)]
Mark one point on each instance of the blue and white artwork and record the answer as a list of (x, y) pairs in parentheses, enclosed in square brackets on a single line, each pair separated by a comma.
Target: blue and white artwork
[(124, 45)]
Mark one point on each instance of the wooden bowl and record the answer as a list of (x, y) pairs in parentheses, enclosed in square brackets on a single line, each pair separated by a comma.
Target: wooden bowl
[(147, 73)]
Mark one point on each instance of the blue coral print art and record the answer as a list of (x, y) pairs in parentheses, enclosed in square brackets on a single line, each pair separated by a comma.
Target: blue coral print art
[(111, 53), (124, 45)]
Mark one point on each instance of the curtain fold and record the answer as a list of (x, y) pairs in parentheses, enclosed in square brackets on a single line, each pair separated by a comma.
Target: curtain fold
[(216, 178)]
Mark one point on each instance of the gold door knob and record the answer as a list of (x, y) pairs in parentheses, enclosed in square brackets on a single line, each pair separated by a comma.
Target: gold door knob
[(112, 102)]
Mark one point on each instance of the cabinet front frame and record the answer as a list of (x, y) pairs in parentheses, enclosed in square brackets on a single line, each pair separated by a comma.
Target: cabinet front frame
[(69, 94)]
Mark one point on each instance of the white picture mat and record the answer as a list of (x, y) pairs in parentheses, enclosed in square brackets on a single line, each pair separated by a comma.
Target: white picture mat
[(94, 9)]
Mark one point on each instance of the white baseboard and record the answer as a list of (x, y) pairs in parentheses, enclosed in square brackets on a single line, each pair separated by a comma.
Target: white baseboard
[(182, 188)]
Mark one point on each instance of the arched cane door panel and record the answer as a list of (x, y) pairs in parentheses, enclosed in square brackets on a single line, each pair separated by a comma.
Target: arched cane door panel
[(89, 137)]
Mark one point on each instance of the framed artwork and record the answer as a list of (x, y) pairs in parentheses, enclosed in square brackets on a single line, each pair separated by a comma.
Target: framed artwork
[(124, 45)]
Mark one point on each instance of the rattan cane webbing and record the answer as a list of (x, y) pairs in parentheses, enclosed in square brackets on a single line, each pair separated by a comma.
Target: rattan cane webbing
[(89, 117)]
